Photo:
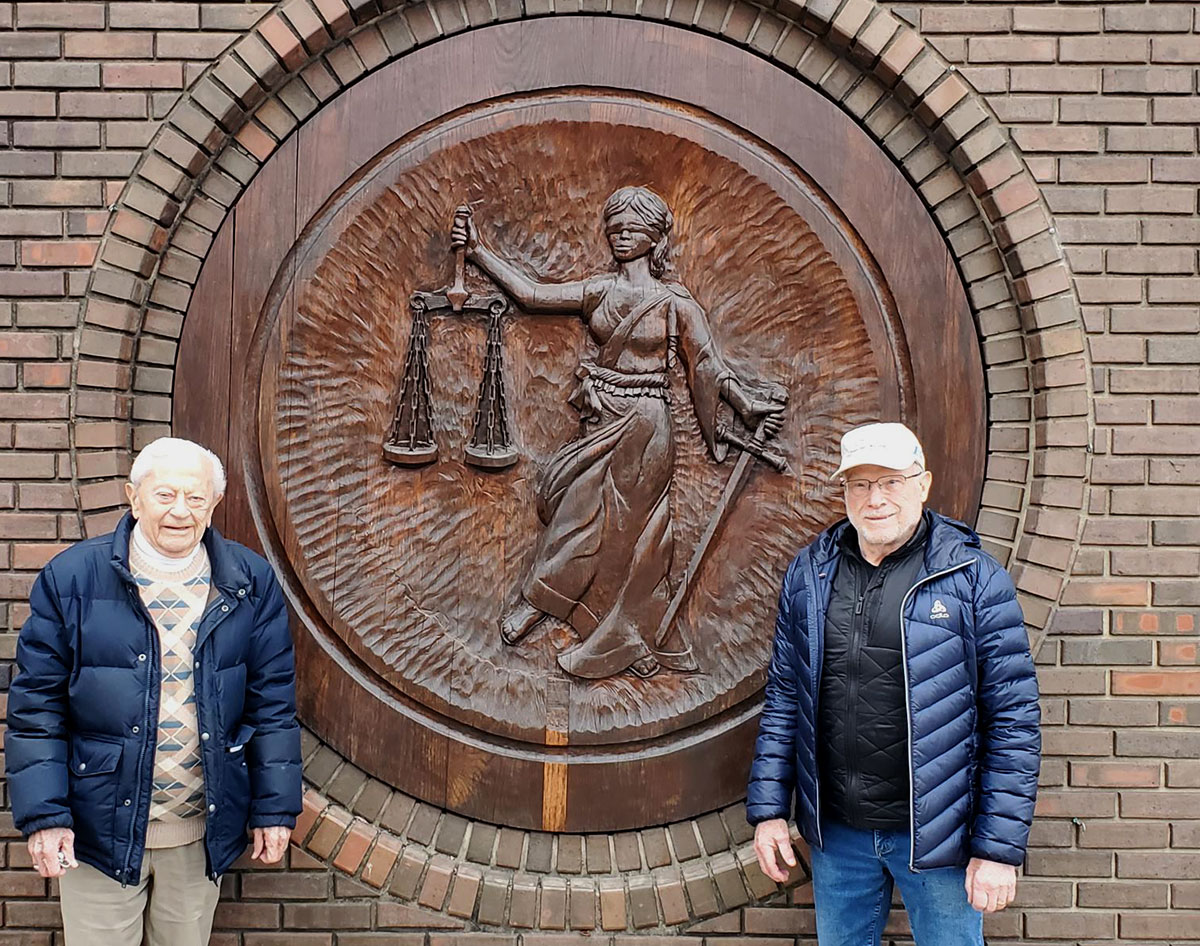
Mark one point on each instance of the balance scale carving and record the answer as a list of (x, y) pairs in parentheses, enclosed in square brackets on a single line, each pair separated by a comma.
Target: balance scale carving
[(411, 442)]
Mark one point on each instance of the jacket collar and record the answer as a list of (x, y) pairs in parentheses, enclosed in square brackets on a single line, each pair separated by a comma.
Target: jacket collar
[(950, 543), (228, 573)]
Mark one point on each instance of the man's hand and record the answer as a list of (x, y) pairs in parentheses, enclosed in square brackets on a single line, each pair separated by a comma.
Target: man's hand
[(270, 843), (990, 886), (771, 838), (53, 851)]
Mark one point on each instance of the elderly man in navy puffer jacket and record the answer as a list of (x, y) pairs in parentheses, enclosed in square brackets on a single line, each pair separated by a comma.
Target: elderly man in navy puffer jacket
[(901, 712), (151, 724)]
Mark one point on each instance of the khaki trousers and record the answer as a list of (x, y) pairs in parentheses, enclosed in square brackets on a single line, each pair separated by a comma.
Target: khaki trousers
[(172, 903)]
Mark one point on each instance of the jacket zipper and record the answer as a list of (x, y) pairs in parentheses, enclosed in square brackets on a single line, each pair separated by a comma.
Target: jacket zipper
[(197, 677), (912, 796), (815, 683), (152, 635), (853, 674)]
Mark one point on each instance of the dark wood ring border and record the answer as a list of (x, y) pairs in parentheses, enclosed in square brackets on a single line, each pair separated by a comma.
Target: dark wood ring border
[(672, 777)]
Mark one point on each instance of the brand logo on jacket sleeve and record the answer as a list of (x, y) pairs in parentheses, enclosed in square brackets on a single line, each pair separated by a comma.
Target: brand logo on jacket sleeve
[(938, 611)]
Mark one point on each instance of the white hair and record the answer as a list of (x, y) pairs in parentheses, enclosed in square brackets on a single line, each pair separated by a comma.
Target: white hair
[(174, 448)]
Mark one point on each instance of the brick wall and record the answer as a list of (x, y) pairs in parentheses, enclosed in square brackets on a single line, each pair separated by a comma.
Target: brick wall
[(1101, 98)]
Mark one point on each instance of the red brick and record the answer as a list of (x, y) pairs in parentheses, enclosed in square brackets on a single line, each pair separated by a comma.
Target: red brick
[(1055, 20), (1165, 683), (1170, 927), (336, 916), (24, 525), (1076, 926), (1145, 80), (1106, 592), (1159, 866), (242, 916), (1041, 863), (102, 105), (284, 885), (206, 46), (29, 45), (56, 75), (155, 16), (1149, 19), (58, 253), (1055, 79), (1113, 774), (313, 805), (26, 104), (142, 75), (1010, 49), (75, 16), (283, 41), (230, 16), (1117, 894), (354, 848), (108, 45)]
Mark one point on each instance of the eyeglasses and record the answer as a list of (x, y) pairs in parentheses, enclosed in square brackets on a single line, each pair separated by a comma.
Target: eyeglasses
[(888, 485)]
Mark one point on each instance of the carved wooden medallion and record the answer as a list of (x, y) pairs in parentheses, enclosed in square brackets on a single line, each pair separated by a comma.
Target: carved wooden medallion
[(532, 489), (415, 569)]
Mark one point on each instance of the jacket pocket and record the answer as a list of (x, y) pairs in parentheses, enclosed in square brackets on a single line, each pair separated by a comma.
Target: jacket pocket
[(238, 741), (95, 793), (92, 756)]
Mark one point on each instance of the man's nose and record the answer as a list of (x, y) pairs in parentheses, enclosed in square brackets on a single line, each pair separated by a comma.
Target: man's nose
[(875, 494), (179, 507)]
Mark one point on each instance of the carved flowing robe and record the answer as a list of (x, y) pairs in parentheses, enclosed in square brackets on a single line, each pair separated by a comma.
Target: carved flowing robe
[(603, 561)]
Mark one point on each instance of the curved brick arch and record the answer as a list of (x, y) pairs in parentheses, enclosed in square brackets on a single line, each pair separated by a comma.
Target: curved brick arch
[(859, 55)]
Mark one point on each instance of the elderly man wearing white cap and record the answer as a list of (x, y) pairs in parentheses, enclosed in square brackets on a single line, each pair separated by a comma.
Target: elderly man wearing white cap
[(901, 712)]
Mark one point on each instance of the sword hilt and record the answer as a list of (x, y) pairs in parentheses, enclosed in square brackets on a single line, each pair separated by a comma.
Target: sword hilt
[(755, 446)]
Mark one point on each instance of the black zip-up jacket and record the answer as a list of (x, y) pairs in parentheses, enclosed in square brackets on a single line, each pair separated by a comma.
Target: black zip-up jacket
[(862, 751)]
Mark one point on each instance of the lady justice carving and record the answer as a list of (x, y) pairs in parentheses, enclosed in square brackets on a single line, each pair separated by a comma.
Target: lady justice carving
[(603, 560)]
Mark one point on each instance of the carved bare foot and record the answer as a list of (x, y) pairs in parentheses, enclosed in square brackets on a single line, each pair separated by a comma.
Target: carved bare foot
[(645, 666), (519, 621)]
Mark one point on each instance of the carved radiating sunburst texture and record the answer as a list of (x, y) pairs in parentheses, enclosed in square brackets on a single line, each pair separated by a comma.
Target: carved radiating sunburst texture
[(411, 568)]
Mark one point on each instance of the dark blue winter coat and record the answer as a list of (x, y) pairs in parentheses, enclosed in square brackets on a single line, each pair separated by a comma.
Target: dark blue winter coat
[(83, 707), (973, 716)]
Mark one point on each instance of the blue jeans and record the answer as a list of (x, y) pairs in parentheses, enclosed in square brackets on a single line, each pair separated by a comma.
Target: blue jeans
[(853, 875)]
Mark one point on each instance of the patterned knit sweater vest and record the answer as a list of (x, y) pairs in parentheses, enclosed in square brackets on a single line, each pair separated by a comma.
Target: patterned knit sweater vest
[(176, 602)]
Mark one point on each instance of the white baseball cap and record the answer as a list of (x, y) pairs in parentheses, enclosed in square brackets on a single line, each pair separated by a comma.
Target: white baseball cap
[(889, 445)]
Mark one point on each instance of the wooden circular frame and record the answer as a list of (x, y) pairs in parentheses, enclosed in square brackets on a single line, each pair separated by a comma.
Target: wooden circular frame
[(563, 788)]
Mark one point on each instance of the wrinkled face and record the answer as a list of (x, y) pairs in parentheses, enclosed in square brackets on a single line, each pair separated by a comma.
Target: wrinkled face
[(629, 236), (174, 504), (887, 513)]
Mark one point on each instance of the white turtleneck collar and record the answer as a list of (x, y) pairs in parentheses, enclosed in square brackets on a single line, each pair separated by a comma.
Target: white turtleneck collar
[(163, 563)]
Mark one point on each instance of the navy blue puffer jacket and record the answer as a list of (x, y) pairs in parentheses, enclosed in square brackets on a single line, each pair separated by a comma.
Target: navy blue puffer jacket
[(973, 716), (83, 708)]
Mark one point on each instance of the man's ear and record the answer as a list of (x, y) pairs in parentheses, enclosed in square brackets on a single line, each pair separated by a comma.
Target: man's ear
[(926, 485), (131, 495)]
